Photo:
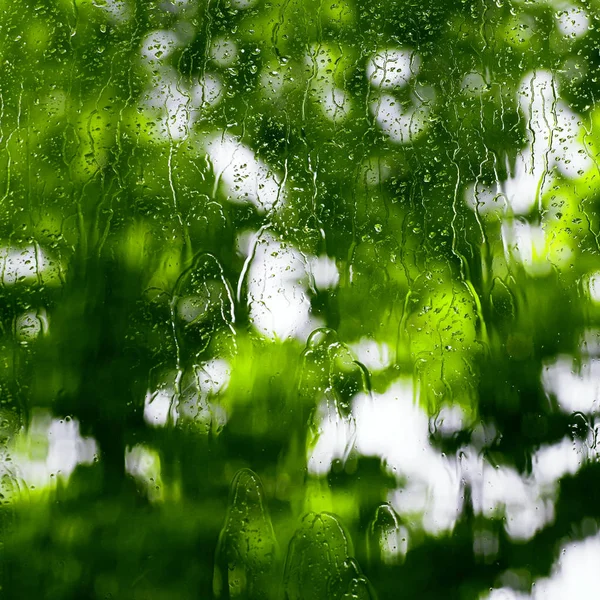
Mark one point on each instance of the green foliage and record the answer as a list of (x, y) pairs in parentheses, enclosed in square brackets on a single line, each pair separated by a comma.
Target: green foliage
[(279, 246)]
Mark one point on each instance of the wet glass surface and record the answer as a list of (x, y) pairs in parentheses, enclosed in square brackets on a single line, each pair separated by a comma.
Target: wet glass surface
[(299, 300)]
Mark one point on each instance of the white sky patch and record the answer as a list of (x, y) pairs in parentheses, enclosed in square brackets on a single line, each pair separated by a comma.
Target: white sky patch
[(523, 186), (553, 128), (143, 463), (188, 396), (576, 389), (474, 84), (527, 244), (31, 324), (574, 575), (50, 448), (27, 265), (336, 437), (572, 21), (198, 387), (594, 287), (391, 426), (506, 594), (191, 308), (223, 52), (450, 419), (178, 103), (274, 77), (590, 342), (324, 272), (159, 45), (537, 97), (334, 102), (243, 4), (159, 405), (526, 501), (271, 82), (245, 242), (168, 88), (498, 491), (246, 177), (552, 462), (553, 142), (213, 376), (278, 292), (486, 199), (376, 356), (569, 153), (402, 123), (170, 97), (392, 68), (207, 92)]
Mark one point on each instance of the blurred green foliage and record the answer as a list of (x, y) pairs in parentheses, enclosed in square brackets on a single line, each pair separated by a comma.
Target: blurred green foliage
[(208, 208)]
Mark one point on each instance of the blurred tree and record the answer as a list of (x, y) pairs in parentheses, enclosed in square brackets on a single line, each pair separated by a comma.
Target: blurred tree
[(350, 246)]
